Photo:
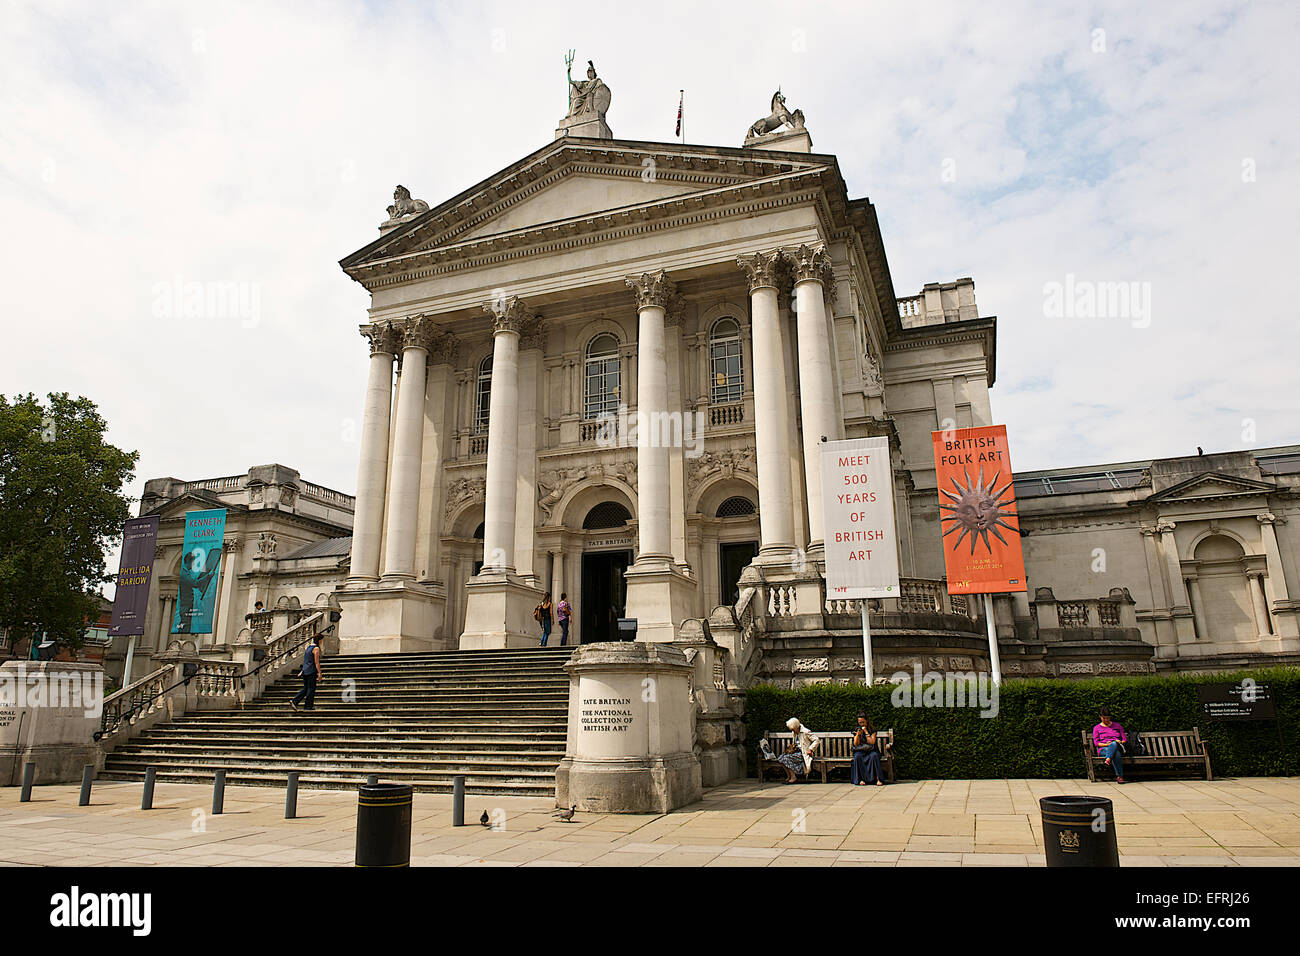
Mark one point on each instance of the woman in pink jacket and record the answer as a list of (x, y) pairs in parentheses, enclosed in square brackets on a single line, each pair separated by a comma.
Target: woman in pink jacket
[(1109, 739)]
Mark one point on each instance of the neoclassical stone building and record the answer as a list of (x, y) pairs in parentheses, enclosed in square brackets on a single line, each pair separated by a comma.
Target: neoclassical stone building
[(605, 371)]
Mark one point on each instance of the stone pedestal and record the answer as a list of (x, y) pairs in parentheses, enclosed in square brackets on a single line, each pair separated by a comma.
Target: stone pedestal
[(594, 128), (631, 731), (49, 713), (660, 597), (499, 612), (397, 618), (785, 141)]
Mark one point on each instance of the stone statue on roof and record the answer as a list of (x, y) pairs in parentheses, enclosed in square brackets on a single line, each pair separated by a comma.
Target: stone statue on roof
[(402, 209), (588, 101)]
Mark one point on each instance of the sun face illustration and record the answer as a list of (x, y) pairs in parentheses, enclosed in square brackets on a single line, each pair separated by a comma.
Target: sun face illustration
[(977, 511)]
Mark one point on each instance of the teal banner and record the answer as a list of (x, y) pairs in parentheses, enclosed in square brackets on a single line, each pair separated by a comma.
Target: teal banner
[(196, 599)]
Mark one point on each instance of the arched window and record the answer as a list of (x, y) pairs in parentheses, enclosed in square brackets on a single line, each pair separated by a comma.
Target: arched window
[(724, 356), (607, 514), (736, 507), (482, 396), (602, 381)]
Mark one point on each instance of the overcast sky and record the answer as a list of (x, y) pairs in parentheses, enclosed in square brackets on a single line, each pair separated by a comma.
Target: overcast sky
[(149, 145)]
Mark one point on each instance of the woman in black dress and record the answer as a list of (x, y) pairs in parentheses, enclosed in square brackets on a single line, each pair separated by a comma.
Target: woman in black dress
[(866, 754)]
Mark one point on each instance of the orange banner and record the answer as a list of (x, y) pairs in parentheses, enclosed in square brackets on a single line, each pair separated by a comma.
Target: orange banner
[(977, 511)]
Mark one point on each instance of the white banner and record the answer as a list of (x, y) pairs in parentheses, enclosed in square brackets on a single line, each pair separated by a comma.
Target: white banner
[(858, 502)]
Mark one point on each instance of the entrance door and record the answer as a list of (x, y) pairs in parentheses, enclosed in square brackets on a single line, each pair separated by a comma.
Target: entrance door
[(732, 559), (604, 595)]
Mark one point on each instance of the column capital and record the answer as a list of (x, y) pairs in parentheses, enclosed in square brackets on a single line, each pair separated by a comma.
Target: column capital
[(653, 289), (1266, 518), (383, 337), (1165, 526), (1150, 531), (811, 264), (509, 314), (419, 332), (764, 270), (532, 334), (444, 348)]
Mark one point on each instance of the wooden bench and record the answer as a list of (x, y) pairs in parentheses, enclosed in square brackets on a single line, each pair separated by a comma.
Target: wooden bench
[(835, 749), (1164, 748)]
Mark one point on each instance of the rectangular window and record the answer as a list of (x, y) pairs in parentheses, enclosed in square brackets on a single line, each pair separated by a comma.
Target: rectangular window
[(728, 383)]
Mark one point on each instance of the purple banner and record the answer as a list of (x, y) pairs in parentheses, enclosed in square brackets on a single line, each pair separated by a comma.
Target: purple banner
[(133, 574)]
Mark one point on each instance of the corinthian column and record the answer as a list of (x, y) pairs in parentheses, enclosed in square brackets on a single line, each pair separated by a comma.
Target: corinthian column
[(771, 410), (655, 292), (509, 316), (372, 469), (408, 449), (811, 267), (659, 595)]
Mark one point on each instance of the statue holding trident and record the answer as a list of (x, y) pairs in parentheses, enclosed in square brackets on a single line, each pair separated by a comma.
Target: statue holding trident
[(588, 101)]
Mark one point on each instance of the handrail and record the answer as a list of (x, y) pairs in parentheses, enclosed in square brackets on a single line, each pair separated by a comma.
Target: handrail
[(287, 650), (112, 698)]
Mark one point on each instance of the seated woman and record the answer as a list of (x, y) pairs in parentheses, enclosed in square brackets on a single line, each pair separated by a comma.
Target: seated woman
[(866, 755), (797, 759), (1109, 739)]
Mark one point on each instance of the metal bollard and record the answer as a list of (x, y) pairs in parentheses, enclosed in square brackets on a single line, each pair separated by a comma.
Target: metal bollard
[(218, 792), (291, 797), (87, 776), (458, 801), (29, 777), (146, 803)]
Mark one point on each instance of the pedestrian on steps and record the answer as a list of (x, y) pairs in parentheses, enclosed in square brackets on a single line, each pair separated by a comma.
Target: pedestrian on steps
[(311, 673), (563, 614), (543, 614)]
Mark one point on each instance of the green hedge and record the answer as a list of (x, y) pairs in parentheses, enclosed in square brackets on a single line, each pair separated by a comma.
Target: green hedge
[(1036, 730)]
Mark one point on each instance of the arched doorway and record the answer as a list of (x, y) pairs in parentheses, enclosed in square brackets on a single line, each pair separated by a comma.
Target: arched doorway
[(605, 558)]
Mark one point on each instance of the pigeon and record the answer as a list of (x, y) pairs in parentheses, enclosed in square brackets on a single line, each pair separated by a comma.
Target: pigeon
[(567, 815), (485, 819)]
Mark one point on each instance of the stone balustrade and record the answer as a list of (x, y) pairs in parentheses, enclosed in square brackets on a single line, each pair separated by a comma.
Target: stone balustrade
[(1113, 617)]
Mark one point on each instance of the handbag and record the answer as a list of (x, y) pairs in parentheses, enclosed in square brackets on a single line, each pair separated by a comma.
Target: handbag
[(1134, 747)]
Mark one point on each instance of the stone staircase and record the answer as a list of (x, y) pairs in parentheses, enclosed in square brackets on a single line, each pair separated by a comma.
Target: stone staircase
[(497, 716)]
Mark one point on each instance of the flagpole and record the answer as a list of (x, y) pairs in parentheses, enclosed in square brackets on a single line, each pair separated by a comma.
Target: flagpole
[(866, 643), (681, 108), (995, 664)]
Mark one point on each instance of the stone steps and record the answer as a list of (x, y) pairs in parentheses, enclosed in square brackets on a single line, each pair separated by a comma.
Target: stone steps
[(498, 717)]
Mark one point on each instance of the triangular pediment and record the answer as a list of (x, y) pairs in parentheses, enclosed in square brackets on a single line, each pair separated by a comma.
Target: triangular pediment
[(574, 195), (575, 185), (192, 501), (1213, 485)]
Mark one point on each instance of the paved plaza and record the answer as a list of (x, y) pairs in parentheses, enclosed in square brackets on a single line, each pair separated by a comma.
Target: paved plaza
[(1243, 822)]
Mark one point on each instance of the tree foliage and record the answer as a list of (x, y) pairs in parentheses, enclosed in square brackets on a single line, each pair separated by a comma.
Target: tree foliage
[(61, 506)]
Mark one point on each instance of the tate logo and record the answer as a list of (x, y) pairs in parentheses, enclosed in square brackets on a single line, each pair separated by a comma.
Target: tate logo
[(76, 909)]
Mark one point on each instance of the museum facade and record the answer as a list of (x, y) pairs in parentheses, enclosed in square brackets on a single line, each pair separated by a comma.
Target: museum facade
[(604, 371)]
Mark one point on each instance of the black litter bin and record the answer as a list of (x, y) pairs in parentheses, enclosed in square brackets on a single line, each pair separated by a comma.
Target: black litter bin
[(1079, 831), (384, 825)]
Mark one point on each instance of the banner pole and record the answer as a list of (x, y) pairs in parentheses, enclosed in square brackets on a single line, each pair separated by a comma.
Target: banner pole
[(866, 644), (130, 655), (994, 662)]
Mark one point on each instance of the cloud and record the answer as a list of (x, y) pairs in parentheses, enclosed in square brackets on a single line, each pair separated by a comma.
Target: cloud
[(250, 146)]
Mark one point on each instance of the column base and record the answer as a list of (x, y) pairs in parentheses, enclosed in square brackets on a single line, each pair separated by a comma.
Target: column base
[(392, 619), (499, 612), (660, 597)]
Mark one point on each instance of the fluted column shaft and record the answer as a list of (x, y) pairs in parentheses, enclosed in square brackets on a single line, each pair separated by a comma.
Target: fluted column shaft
[(816, 379), (771, 406), (655, 293), (372, 469), (408, 447), (503, 441)]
